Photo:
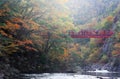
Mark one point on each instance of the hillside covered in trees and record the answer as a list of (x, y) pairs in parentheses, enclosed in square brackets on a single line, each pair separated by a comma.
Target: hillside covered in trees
[(34, 36)]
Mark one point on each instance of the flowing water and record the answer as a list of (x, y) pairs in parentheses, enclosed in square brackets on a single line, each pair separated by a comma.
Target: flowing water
[(86, 75)]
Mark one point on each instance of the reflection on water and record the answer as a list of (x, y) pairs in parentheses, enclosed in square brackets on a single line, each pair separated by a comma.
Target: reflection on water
[(111, 75), (59, 76), (85, 75), (100, 71), (103, 73)]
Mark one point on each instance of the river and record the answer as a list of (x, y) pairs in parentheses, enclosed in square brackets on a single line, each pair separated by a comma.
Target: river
[(85, 75)]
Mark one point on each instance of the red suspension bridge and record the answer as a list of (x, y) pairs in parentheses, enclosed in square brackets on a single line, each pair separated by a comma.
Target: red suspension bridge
[(91, 34)]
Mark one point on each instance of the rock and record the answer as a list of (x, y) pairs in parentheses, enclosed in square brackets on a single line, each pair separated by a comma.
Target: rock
[(1, 75), (8, 72), (100, 77)]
